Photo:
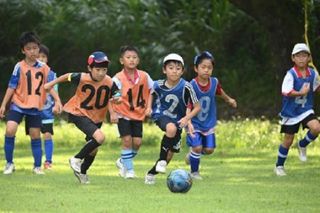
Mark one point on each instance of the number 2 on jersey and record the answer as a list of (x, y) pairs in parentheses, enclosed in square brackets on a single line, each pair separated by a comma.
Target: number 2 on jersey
[(29, 82)]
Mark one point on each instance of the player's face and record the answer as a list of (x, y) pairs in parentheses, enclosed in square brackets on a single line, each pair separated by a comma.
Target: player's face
[(173, 71), (98, 73), (43, 58), (301, 59), (204, 69), (31, 51), (130, 60)]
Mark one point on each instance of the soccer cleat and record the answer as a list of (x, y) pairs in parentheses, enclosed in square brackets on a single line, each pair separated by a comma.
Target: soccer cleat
[(150, 179), (130, 174), (75, 164), (279, 170), (122, 169), (187, 159), (9, 169), (47, 165), (196, 176), (38, 171), (83, 178), (161, 166), (302, 153)]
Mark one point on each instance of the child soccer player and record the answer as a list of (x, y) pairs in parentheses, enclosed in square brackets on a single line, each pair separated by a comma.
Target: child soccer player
[(87, 109), (135, 86), (201, 137), (298, 87), (171, 97), (28, 96), (47, 112)]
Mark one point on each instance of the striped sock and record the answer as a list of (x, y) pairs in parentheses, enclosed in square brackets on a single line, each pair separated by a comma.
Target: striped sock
[(8, 148), (48, 147), (282, 155), (36, 151), (126, 157), (307, 139), (194, 161)]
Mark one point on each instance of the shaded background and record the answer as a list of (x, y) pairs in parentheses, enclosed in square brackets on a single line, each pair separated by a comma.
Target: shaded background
[(251, 40)]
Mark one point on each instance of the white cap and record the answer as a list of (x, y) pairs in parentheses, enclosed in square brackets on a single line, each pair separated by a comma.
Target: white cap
[(173, 57), (300, 47)]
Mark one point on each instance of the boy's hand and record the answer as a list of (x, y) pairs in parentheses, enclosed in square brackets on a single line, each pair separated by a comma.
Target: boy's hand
[(190, 129), (232, 102), (183, 122), (57, 109), (148, 112), (47, 86), (305, 89), (2, 111), (114, 118), (116, 100)]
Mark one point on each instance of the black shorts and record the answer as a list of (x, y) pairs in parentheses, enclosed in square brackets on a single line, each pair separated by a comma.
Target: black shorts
[(87, 126), (292, 129), (130, 127), (32, 121), (162, 124), (45, 128)]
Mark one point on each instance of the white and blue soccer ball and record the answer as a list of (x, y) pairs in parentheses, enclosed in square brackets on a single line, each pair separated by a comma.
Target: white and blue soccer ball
[(179, 181)]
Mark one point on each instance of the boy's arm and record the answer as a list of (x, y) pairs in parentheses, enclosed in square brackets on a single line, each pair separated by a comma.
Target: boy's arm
[(6, 99), (149, 105), (113, 114), (232, 102), (57, 102), (60, 79)]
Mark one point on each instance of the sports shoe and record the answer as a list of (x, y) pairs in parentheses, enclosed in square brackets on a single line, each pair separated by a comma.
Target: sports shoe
[(161, 166), (196, 176), (279, 170), (130, 174), (150, 179), (187, 159), (302, 153), (122, 169), (75, 164), (83, 178), (9, 169), (38, 171), (47, 165)]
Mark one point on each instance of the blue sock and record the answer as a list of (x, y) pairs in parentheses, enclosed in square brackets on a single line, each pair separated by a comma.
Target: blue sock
[(36, 151), (194, 161), (307, 139), (8, 148), (126, 157), (282, 155), (48, 147)]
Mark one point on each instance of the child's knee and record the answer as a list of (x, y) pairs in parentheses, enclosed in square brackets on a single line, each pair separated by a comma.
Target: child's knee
[(171, 130), (315, 129), (208, 151), (99, 136)]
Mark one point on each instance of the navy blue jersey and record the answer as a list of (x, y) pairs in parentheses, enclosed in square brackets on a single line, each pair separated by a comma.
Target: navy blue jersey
[(206, 119), (46, 113), (295, 106), (172, 102)]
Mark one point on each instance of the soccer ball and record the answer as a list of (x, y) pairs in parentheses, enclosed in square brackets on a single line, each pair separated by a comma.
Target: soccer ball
[(179, 181)]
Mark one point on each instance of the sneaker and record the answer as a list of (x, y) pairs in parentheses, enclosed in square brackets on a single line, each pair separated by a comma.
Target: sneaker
[(161, 166), (150, 179), (38, 171), (130, 174), (47, 165), (75, 164), (187, 159), (279, 170), (196, 176), (83, 178), (122, 169), (9, 169), (302, 153)]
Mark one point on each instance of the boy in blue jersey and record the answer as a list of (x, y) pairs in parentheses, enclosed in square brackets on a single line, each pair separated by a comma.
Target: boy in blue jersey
[(27, 97), (201, 136), (298, 87), (170, 99)]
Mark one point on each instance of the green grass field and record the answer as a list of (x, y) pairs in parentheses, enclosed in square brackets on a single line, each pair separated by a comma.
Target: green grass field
[(238, 177)]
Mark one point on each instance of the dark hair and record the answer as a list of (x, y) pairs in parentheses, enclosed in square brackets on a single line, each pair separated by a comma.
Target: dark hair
[(28, 37), (174, 61), (44, 49), (204, 55), (99, 65), (125, 48)]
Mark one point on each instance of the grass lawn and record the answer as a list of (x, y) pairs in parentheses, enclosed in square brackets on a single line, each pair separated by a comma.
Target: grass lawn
[(238, 177)]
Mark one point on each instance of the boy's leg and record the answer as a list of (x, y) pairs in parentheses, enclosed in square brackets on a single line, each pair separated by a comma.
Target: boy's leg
[(88, 160), (47, 130)]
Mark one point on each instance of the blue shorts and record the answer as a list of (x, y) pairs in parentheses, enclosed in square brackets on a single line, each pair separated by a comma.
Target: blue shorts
[(206, 141), (32, 121)]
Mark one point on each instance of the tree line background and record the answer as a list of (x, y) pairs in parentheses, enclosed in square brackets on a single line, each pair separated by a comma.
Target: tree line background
[(251, 40)]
